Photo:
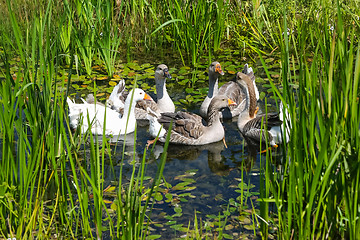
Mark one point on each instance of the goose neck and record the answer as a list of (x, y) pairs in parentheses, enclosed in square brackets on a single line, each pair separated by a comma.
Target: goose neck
[(251, 98), (213, 85)]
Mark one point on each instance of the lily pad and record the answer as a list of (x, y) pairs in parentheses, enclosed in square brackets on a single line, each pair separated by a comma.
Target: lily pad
[(112, 83)]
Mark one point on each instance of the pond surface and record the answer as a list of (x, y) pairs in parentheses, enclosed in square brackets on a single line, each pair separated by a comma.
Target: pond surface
[(206, 180), (210, 174)]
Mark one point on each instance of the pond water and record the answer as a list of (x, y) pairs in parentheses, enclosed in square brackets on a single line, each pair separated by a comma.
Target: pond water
[(205, 180), (212, 172)]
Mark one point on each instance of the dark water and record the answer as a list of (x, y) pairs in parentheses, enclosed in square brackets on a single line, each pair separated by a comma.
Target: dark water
[(216, 171)]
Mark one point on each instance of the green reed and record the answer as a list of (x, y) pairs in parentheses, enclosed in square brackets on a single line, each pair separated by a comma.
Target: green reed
[(52, 181), (195, 27), (316, 186), (97, 29)]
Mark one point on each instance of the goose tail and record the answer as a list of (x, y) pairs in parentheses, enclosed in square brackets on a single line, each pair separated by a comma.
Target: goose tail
[(114, 100)]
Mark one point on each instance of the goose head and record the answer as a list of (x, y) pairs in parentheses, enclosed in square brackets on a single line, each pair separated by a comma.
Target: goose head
[(162, 72), (138, 95), (220, 102), (215, 69)]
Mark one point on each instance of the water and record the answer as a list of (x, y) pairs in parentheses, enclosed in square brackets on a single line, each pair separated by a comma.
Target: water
[(215, 170)]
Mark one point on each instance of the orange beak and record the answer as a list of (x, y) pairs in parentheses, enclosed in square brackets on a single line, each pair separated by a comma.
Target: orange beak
[(231, 102), (218, 69), (147, 97)]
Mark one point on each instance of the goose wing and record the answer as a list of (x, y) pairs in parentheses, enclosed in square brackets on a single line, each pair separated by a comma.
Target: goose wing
[(186, 124), (270, 120), (233, 91)]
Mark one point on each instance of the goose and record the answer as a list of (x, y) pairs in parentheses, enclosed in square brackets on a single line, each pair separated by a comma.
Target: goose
[(114, 124), (250, 125), (164, 103), (189, 128), (214, 72), (230, 89)]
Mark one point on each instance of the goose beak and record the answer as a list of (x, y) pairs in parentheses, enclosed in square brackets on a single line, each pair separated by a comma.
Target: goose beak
[(147, 97), (167, 74), (231, 102), (218, 69)]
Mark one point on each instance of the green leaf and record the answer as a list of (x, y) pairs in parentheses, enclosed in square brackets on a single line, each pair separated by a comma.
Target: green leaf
[(153, 237)]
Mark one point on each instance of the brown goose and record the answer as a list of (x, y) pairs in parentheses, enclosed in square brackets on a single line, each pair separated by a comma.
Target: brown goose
[(230, 89), (189, 128), (250, 125), (164, 103)]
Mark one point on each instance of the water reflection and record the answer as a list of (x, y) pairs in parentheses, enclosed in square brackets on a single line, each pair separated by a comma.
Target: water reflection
[(215, 161)]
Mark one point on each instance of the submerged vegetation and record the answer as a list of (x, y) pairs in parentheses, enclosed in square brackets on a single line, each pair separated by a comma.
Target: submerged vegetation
[(52, 179)]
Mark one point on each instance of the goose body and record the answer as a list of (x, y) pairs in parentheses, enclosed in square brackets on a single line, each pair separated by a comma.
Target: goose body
[(230, 89), (164, 103), (252, 126), (93, 116), (189, 128)]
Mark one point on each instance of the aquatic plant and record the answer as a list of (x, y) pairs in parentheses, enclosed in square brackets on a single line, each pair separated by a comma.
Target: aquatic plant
[(52, 180), (315, 187)]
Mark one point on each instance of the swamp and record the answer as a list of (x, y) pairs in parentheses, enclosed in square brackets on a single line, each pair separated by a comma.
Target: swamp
[(57, 182)]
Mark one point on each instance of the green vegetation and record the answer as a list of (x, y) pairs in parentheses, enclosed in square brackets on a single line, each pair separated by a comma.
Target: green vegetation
[(52, 179), (316, 187)]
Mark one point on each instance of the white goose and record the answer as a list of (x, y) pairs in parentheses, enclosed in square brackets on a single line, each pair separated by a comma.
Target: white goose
[(95, 115), (164, 103), (230, 89), (250, 125)]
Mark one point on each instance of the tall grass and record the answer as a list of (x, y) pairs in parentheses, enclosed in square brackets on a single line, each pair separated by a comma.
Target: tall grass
[(196, 27), (52, 181), (316, 188)]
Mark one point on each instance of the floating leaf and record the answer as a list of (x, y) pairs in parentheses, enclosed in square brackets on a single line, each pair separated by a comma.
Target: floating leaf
[(249, 227), (168, 196), (170, 222), (218, 197), (158, 196), (227, 236), (262, 95), (145, 65), (169, 217), (177, 215), (153, 237), (177, 227), (181, 186), (102, 78), (178, 209), (113, 206), (269, 60), (244, 219), (112, 83), (183, 199), (189, 90), (110, 189)]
